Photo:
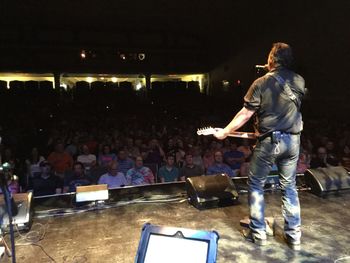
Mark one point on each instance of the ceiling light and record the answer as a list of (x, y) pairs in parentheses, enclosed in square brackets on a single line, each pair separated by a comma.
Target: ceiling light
[(83, 54)]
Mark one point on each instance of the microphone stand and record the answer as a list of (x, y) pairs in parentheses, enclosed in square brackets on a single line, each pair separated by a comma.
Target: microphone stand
[(11, 211)]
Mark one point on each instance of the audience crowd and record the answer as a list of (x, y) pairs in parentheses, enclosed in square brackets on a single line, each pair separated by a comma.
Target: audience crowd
[(62, 140)]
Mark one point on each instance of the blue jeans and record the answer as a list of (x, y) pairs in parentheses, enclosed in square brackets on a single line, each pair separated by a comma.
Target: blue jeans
[(284, 154)]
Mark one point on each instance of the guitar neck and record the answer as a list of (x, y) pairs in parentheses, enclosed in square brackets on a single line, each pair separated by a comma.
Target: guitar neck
[(211, 131), (248, 135)]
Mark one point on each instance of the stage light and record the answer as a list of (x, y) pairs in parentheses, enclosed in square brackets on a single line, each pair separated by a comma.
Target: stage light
[(83, 54), (138, 86), (141, 56), (161, 244), (89, 79), (122, 56), (225, 85), (114, 79)]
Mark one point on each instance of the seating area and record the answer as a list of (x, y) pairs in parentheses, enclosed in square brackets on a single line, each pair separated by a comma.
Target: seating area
[(37, 116)]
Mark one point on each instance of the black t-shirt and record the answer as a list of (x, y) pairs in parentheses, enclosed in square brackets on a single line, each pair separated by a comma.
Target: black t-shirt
[(186, 171), (46, 186), (72, 181), (317, 162), (275, 111)]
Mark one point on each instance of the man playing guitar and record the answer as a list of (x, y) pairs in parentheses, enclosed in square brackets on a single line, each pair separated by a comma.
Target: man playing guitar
[(275, 100)]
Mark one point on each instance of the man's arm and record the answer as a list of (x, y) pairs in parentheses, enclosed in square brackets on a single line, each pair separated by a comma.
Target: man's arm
[(237, 122)]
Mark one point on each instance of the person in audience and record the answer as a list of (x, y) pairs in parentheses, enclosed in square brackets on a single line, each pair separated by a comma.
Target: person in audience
[(113, 178), (54, 137), (144, 153), (219, 167), (244, 169), (138, 144), (226, 146), (234, 158), (180, 153), (140, 174), (303, 161), (155, 153), (60, 160), (116, 145), (10, 158), (92, 143), (332, 155), (33, 163), (170, 148), (215, 146), (307, 145), (320, 160), (168, 172), (345, 157), (324, 140), (189, 142), (245, 148), (87, 159), (106, 157), (10, 178), (124, 162), (132, 150), (208, 159), (73, 147), (345, 138), (197, 156), (46, 182), (190, 169), (77, 178)]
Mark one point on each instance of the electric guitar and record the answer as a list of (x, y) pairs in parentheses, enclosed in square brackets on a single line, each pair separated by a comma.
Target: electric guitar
[(211, 131)]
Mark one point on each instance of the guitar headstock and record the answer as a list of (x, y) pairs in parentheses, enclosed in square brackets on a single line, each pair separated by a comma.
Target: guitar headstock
[(207, 131)]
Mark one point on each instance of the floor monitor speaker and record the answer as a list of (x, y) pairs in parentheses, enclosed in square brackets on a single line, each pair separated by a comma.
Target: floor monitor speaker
[(327, 180), (211, 191)]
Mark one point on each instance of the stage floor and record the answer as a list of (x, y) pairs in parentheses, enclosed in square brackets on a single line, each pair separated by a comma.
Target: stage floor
[(112, 235)]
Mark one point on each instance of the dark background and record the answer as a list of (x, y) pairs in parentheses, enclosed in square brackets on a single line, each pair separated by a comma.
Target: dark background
[(178, 37)]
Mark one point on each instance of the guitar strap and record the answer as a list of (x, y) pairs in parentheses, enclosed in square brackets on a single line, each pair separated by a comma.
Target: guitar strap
[(285, 86), (287, 89)]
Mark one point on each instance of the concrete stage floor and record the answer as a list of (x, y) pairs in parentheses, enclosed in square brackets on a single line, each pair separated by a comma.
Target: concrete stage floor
[(113, 234)]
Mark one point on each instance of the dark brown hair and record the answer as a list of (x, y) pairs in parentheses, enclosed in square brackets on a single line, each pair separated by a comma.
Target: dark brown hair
[(281, 54)]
